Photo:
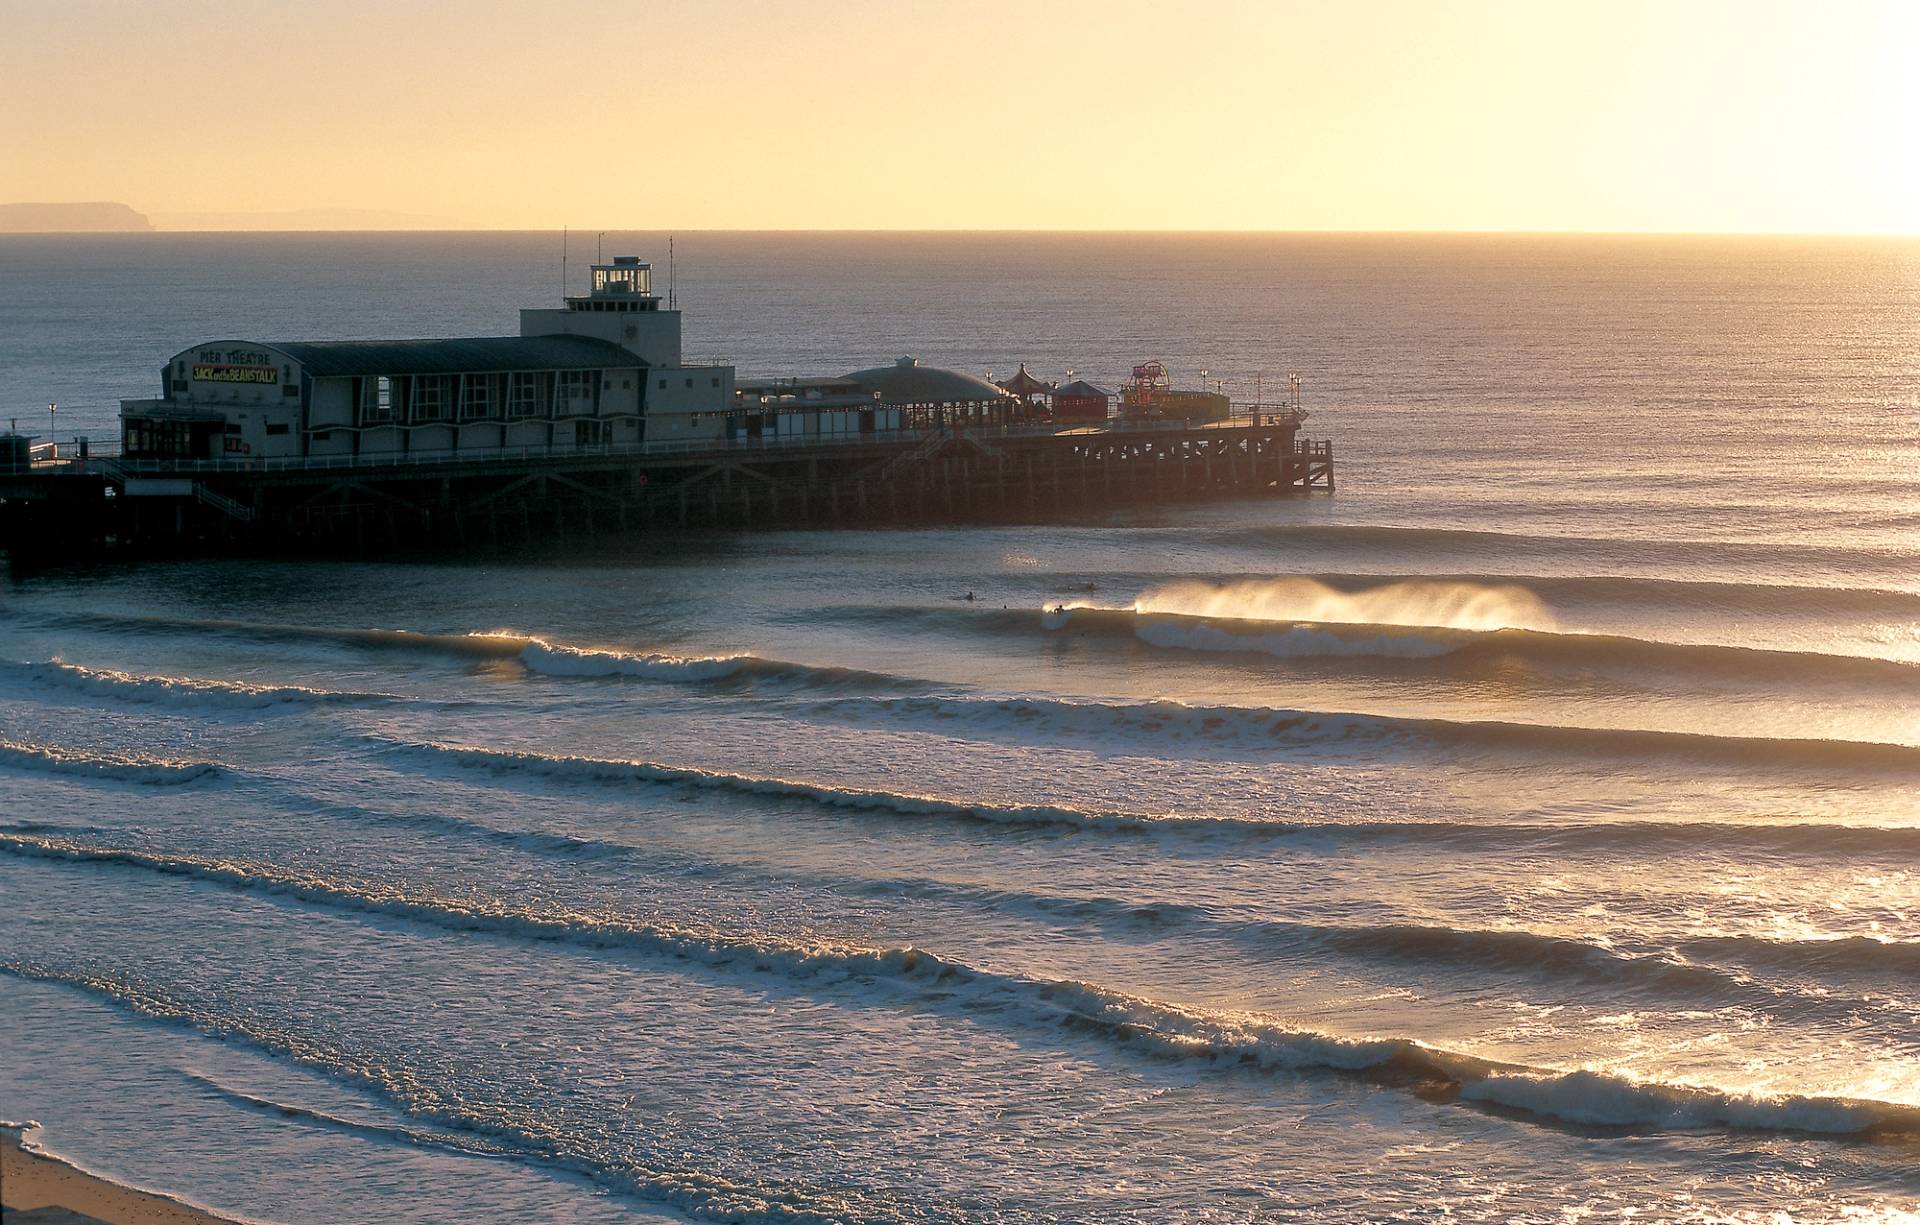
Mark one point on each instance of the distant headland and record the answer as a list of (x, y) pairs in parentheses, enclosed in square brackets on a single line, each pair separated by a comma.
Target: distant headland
[(113, 218), (94, 217)]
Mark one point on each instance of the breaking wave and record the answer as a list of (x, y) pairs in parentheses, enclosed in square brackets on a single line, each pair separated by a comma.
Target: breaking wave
[(1686, 966), (597, 769), (1799, 839), (538, 655), (1281, 730), (470, 1144), (1154, 1028), (123, 768), (478, 1133), (550, 660), (1486, 650), (177, 690), (1788, 838), (1412, 602)]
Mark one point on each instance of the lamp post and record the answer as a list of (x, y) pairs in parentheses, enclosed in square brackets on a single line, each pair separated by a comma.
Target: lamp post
[(53, 447)]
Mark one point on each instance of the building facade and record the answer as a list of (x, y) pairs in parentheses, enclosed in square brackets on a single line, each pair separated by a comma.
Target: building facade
[(602, 370), (821, 409), (928, 397), (1082, 402)]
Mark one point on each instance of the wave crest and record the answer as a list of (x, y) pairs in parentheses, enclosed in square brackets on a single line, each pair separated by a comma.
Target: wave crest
[(1278, 730), (178, 690), (602, 769), (1157, 1028), (116, 767), (549, 659), (1412, 602)]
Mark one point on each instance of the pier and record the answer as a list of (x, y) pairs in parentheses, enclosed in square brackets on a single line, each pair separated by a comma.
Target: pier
[(414, 505), (593, 421)]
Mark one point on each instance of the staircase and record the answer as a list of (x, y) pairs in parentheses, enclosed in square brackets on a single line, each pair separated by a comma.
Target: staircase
[(230, 507), (918, 455)]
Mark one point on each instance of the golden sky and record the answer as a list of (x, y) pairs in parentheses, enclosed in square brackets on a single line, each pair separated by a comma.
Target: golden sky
[(1689, 115)]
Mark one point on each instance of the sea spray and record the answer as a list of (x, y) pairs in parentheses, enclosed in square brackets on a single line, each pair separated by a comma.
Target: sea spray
[(1414, 602)]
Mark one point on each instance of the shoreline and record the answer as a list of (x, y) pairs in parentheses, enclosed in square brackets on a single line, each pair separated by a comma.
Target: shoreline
[(31, 1181)]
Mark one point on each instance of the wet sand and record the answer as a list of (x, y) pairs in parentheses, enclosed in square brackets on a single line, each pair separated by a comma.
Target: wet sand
[(40, 1190)]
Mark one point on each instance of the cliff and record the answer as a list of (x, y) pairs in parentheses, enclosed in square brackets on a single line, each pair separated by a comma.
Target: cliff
[(90, 218)]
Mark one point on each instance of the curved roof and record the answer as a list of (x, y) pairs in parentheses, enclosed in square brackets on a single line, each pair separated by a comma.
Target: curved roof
[(906, 381), (1024, 384), (475, 354), (1080, 387)]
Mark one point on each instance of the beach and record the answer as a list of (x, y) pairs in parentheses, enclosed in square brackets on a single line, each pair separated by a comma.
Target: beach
[(37, 1189)]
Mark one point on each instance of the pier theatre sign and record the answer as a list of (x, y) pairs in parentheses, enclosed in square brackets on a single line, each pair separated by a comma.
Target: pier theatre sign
[(234, 366)]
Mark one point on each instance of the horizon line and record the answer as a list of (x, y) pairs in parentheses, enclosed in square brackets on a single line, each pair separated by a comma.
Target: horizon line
[(1010, 230)]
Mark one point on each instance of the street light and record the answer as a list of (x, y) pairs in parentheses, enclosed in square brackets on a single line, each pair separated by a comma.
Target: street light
[(53, 447)]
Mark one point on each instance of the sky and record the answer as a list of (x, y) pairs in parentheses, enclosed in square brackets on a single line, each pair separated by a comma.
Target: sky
[(1782, 116)]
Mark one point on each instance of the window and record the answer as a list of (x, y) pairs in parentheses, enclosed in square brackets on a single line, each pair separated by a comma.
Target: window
[(431, 396), (663, 384), (289, 389), (477, 397), (626, 384), (322, 435), (377, 404), (528, 395), (577, 387), (716, 382), (179, 385), (277, 427), (689, 384)]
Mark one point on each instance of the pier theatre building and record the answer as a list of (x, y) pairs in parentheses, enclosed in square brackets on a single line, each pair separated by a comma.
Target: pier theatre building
[(603, 369)]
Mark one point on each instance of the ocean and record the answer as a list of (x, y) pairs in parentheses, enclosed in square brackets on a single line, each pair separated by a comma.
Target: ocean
[(1528, 831)]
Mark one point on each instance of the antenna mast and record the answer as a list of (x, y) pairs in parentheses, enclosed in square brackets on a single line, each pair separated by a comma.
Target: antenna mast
[(563, 263), (673, 298)]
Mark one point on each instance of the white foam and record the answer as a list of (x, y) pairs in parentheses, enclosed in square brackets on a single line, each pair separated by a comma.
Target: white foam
[(119, 767), (549, 659), (177, 691), (1605, 1100), (1164, 1029)]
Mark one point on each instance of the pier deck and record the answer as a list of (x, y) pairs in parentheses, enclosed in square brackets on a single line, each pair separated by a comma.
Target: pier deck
[(368, 506)]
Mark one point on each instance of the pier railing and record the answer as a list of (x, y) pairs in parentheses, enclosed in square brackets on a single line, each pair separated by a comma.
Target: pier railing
[(105, 460)]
